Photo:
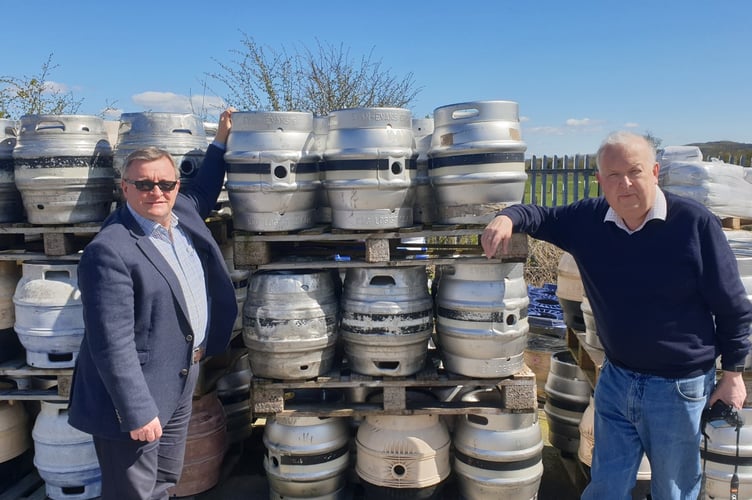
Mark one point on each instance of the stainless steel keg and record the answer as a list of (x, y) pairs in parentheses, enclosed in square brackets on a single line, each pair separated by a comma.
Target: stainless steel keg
[(402, 452), (49, 313), (424, 204), (64, 456), (290, 323), (369, 168), (567, 396), (476, 160), (63, 168), (724, 456), (497, 456), (180, 134), (272, 185), (306, 457), (481, 318), (11, 207), (387, 319), (569, 291), (315, 154)]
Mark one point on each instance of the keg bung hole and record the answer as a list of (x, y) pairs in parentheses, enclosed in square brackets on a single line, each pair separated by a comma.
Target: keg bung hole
[(275, 462), (280, 172), (511, 320), (399, 470), (396, 168), (40, 207), (303, 368), (187, 168)]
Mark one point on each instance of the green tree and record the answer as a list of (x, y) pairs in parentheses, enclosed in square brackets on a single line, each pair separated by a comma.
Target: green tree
[(35, 95), (318, 80)]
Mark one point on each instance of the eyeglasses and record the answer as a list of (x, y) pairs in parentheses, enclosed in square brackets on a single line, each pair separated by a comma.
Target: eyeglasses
[(147, 186)]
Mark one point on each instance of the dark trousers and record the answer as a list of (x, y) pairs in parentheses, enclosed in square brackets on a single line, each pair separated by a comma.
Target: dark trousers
[(139, 470)]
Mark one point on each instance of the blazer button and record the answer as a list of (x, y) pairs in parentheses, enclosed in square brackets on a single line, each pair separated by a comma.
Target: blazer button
[(184, 372), (188, 337)]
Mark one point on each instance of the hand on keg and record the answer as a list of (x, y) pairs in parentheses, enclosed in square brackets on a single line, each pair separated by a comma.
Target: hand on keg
[(497, 232), (149, 432), (224, 126)]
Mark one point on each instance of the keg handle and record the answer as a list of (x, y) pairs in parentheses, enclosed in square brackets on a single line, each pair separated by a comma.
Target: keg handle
[(464, 112), (182, 131), (50, 125)]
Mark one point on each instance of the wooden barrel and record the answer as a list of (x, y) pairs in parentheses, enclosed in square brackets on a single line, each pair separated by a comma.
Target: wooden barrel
[(205, 447)]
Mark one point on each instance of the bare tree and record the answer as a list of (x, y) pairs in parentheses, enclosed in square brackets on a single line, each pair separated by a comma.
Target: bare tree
[(319, 80), (35, 95)]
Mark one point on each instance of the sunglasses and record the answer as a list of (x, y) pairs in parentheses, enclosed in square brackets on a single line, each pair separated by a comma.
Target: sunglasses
[(147, 186)]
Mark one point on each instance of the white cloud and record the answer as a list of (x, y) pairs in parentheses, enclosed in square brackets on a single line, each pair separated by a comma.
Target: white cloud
[(524, 119), (163, 101), (631, 125), (545, 130), (56, 87), (583, 122), (170, 102)]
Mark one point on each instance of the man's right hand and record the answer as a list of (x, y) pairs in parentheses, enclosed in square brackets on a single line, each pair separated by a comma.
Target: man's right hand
[(149, 432), (497, 232)]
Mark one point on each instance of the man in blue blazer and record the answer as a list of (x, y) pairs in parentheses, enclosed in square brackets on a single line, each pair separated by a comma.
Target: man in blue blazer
[(156, 297)]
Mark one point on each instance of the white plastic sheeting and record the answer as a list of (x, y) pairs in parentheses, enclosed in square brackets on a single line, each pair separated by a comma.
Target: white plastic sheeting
[(724, 188)]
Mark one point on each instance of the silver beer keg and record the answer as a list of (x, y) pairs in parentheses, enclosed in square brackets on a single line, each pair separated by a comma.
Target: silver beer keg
[(369, 168)]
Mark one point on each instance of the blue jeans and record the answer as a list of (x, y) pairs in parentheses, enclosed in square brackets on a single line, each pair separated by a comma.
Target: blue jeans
[(637, 413)]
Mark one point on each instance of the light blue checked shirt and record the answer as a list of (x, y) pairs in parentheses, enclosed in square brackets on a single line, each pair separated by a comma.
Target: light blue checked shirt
[(186, 264)]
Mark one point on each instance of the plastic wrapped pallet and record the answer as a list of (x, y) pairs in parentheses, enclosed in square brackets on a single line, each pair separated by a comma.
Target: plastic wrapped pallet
[(724, 188)]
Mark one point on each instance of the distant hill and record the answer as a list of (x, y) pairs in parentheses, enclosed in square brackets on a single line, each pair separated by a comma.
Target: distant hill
[(726, 150)]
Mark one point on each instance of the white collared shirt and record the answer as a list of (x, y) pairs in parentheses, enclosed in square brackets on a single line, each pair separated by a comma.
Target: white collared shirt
[(180, 254), (657, 211)]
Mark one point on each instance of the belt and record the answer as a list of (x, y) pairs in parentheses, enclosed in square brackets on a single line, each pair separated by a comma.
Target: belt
[(198, 355)]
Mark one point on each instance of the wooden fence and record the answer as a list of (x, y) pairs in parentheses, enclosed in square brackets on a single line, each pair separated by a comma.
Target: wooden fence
[(554, 181), (560, 180)]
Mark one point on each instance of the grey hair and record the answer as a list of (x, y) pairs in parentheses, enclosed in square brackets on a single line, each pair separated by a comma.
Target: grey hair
[(623, 138), (150, 153)]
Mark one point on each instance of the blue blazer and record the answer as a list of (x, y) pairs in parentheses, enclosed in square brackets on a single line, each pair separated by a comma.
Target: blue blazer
[(137, 344)]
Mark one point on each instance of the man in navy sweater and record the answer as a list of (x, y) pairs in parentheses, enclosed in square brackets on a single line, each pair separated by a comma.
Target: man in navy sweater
[(667, 297)]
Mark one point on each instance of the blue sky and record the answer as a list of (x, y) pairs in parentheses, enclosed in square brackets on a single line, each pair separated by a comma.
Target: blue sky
[(679, 70)]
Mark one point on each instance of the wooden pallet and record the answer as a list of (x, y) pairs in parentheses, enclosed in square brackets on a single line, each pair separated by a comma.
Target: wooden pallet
[(588, 358), (324, 247), (23, 241), (735, 222), (390, 395), (52, 241), (59, 380)]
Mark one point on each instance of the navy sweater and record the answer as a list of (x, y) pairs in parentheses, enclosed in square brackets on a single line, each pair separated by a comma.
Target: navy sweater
[(667, 299)]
